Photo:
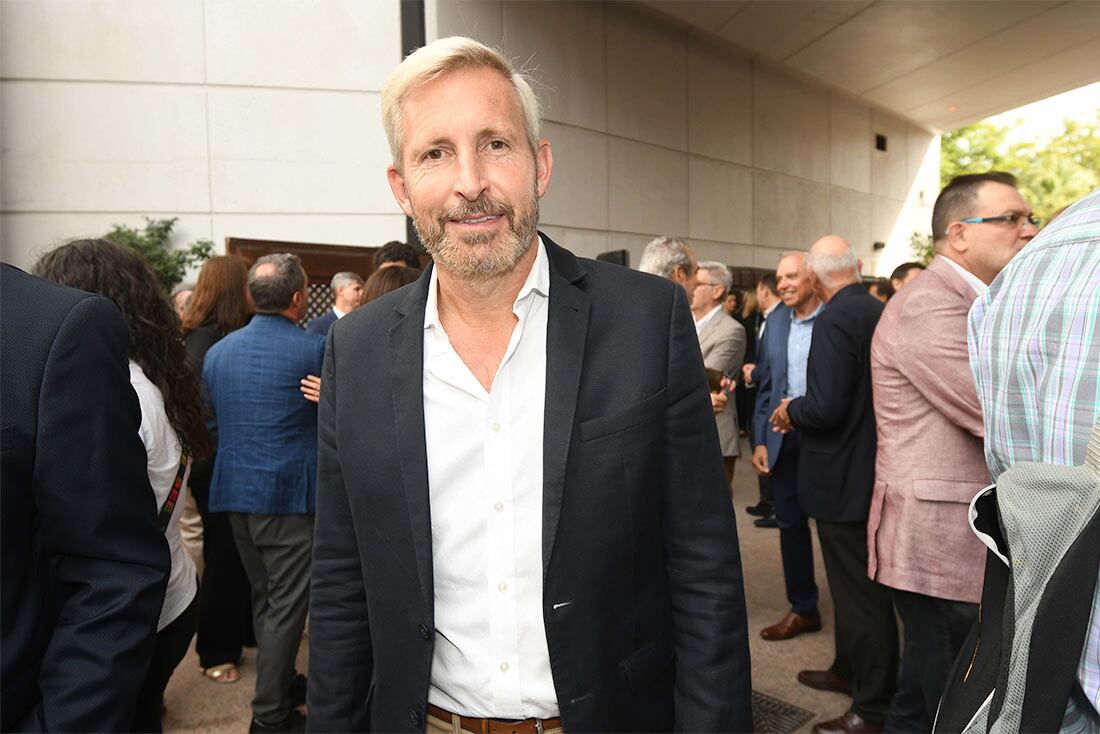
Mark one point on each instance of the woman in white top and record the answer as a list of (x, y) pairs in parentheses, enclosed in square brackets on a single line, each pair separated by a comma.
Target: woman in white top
[(172, 429)]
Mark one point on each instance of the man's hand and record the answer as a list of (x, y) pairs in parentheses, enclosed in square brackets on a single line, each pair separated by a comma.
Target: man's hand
[(760, 460), (780, 420), (718, 402), (746, 372), (311, 388)]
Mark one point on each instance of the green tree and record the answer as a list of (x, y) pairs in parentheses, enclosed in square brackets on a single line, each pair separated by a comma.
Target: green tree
[(153, 243), (1052, 174)]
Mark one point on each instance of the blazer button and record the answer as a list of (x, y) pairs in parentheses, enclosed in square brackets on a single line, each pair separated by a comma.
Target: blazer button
[(425, 632), (414, 718)]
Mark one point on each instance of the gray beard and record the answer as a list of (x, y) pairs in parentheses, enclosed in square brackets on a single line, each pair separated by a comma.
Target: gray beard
[(456, 255)]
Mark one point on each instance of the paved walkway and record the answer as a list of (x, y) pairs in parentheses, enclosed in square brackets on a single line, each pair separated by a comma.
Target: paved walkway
[(196, 704)]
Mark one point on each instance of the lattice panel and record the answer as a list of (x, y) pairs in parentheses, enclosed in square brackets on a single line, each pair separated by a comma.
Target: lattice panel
[(321, 298)]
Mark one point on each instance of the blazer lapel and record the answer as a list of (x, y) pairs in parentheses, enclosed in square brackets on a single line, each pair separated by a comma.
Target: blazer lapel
[(407, 384), (566, 330)]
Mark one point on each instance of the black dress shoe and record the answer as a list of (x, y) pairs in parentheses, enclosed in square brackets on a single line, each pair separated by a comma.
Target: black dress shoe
[(760, 509), (825, 680), (298, 690), (294, 723), (766, 522)]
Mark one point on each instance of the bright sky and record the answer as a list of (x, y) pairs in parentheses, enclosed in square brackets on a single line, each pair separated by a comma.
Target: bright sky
[(1043, 119)]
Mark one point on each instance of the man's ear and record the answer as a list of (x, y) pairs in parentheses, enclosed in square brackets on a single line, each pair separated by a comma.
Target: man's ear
[(956, 237), (397, 186), (544, 166)]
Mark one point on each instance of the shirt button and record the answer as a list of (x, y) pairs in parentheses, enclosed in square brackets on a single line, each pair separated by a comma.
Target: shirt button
[(424, 631), (502, 586), (496, 428), (504, 667), (499, 506)]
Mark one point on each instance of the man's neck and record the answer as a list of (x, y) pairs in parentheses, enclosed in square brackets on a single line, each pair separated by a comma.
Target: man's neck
[(702, 311), (807, 308), (830, 292), (486, 301)]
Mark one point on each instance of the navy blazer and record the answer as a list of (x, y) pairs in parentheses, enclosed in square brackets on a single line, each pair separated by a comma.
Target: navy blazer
[(643, 598), (770, 377), (322, 323), (85, 564), (267, 431), (836, 466)]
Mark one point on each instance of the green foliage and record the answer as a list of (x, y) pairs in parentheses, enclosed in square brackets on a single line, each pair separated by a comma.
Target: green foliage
[(920, 244), (1052, 173), (152, 243)]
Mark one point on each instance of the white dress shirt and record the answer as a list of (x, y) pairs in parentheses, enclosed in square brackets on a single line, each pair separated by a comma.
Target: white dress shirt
[(972, 280), (706, 319), (484, 452)]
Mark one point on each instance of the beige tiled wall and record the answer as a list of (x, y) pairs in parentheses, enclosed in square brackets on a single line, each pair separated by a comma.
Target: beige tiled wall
[(656, 130), (246, 118)]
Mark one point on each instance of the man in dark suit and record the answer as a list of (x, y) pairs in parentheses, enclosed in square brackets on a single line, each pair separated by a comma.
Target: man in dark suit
[(265, 472), (836, 473), (532, 531), (84, 563), (781, 373), (347, 287)]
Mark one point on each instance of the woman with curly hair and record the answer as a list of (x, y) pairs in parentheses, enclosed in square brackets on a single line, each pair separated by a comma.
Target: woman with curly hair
[(172, 428), (219, 304)]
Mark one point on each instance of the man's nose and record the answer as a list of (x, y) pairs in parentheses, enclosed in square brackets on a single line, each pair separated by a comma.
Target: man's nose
[(470, 183)]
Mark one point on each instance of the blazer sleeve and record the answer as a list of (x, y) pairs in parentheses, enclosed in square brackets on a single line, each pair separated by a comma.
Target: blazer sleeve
[(831, 375), (728, 353), (762, 376), (108, 558), (713, 688), (934, 357), (339, 627)]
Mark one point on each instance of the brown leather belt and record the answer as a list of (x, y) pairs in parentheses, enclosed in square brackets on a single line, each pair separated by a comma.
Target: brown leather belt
[(496, 726)]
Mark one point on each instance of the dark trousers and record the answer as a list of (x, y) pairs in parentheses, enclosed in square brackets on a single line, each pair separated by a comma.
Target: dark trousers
[(275, 551), (172, 644), (795, 543), (866, 626), (935, 630), (225, 599)]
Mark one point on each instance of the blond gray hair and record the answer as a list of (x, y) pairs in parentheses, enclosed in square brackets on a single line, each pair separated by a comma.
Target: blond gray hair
[(441, 57), (721, 272), (663, 255)]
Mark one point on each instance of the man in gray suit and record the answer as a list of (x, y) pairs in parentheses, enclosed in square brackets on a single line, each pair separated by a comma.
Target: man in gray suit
[(722, 341)]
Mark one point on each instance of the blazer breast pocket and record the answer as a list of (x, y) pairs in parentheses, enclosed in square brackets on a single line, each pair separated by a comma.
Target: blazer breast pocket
[(620, 420)]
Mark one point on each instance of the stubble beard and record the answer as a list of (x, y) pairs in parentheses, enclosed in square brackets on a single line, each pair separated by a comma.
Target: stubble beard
[(464, 256)]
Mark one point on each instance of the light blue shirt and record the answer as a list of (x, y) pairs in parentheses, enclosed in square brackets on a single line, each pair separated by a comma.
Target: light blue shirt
[(798, 351)]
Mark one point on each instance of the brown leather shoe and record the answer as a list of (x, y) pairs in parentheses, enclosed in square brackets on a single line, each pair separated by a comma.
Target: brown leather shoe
[(825, 680), (849, 723), (792, 625)]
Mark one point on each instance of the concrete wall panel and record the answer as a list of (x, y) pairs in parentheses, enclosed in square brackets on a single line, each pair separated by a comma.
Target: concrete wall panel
[(646, 74), (788, 131), (335, 229), (480, 19), (730, 253), (72, 146), (347, 44), (579, 185), (562, 45), (648, 189), (890, 169), (851, 144), (719, 103), (719, 201), (581, 242), (313, 152), (105, 40), (788, 213), (850, 217)]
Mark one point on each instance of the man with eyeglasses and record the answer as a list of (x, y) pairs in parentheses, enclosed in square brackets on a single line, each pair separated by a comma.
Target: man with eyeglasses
[(930, 462)]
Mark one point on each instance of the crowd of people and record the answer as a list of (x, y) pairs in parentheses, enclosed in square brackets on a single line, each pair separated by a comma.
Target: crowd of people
[(500, 489)]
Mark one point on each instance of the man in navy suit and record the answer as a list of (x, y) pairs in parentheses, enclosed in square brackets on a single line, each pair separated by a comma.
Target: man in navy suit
[(265, 473), (780, 374), (836, 474), (522, 519), (348, 289), (84, 563)]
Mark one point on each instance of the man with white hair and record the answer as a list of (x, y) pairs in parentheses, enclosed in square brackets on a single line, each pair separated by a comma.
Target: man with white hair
[(670, 258), (836, 474), (348, 289), (722, 341), (521, 524)]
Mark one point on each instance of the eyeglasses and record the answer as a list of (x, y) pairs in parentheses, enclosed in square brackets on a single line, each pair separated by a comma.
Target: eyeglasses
[(1017, 219), (703, 282)]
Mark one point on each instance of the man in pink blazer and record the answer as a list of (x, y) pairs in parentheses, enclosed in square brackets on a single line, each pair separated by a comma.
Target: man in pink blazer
[(930, 462)]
